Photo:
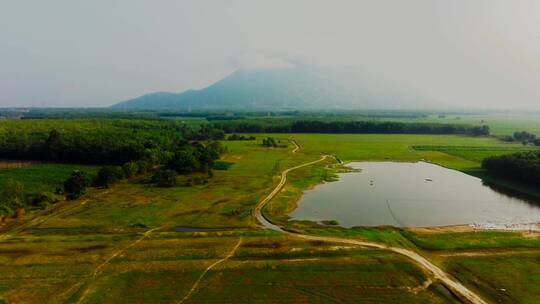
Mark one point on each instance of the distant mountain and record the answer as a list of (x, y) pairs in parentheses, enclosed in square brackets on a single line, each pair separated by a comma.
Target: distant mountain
[(301, 87)]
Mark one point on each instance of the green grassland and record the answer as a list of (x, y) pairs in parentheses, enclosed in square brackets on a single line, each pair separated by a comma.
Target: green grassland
[(476, 153), (503, 278), (161, 269), (499, 123), (39, 178), (360, 147), (52, 259)]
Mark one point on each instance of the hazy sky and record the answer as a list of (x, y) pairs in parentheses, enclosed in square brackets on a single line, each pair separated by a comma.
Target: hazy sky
[(95, 53)]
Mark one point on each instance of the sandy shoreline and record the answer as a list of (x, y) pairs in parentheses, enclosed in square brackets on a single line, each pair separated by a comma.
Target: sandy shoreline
[(481, 226)]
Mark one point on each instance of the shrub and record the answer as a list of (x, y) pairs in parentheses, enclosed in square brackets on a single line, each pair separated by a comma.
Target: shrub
[(240, 137), (108, 175), (222, 165), (269, 142), (164, 178), (130, 169), (11, 196), (143, 166), (75, 185), (43, 200)]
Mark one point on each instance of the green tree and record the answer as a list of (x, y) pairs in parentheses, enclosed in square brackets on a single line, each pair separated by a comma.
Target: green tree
[(53, 145), (269, 142), (107, 176), (11, 196), (75, 185), (184, 161)]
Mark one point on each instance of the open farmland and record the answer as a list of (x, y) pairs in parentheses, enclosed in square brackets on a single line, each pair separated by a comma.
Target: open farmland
[(153, 244)]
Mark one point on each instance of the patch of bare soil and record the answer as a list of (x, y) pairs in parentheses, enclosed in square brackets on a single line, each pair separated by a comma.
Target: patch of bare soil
[(440, 229), (14, 164)]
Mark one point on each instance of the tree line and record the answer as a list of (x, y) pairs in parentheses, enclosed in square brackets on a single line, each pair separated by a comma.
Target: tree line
[(104, 141), (342, 127), (523, 166), (524, 137)]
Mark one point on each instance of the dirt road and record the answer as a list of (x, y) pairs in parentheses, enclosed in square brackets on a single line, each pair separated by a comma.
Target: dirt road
[(459, 289)]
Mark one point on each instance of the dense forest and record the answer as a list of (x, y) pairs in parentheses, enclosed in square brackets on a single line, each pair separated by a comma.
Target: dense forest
[(524, 166), (341, 127), (97, 141)]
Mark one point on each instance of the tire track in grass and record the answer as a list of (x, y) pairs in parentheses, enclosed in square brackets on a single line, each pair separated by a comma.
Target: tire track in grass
[(62, 209), (102, 266), (196, 284)]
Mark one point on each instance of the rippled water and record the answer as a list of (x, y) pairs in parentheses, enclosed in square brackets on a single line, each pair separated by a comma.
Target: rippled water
[(411, 195)]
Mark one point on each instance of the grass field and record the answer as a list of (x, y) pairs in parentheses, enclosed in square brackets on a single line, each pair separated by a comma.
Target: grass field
[(38, 178), (53, 258), (275, 269), (499, 123), (476, 153), (504, 278)]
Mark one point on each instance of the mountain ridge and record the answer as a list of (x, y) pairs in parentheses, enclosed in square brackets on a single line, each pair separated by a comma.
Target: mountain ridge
[(300, 87)]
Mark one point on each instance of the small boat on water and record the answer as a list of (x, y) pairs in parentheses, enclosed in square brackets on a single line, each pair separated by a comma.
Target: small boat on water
[(429, 180)]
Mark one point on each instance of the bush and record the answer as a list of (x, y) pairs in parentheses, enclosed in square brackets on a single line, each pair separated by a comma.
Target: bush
[(269, 142), (130, 169), (524, 136), (222, 165), (42, 200), (164, 178), (198, 180), (11, 196), (143, 166), (240, 137), (107, 176), (75, 185)]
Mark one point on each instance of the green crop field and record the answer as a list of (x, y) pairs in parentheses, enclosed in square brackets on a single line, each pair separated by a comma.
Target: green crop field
[(500, 124), (38, 178), (95, 250)]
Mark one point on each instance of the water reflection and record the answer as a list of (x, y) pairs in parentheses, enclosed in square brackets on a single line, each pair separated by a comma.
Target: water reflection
[(412, 194)]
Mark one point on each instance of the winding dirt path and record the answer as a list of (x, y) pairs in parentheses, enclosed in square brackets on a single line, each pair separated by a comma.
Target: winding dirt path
[(459, 289)]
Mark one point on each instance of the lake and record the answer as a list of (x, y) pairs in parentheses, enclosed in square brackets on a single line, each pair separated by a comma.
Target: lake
[(411, 195)]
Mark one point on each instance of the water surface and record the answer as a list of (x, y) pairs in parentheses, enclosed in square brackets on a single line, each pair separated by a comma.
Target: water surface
[(411, 195)]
